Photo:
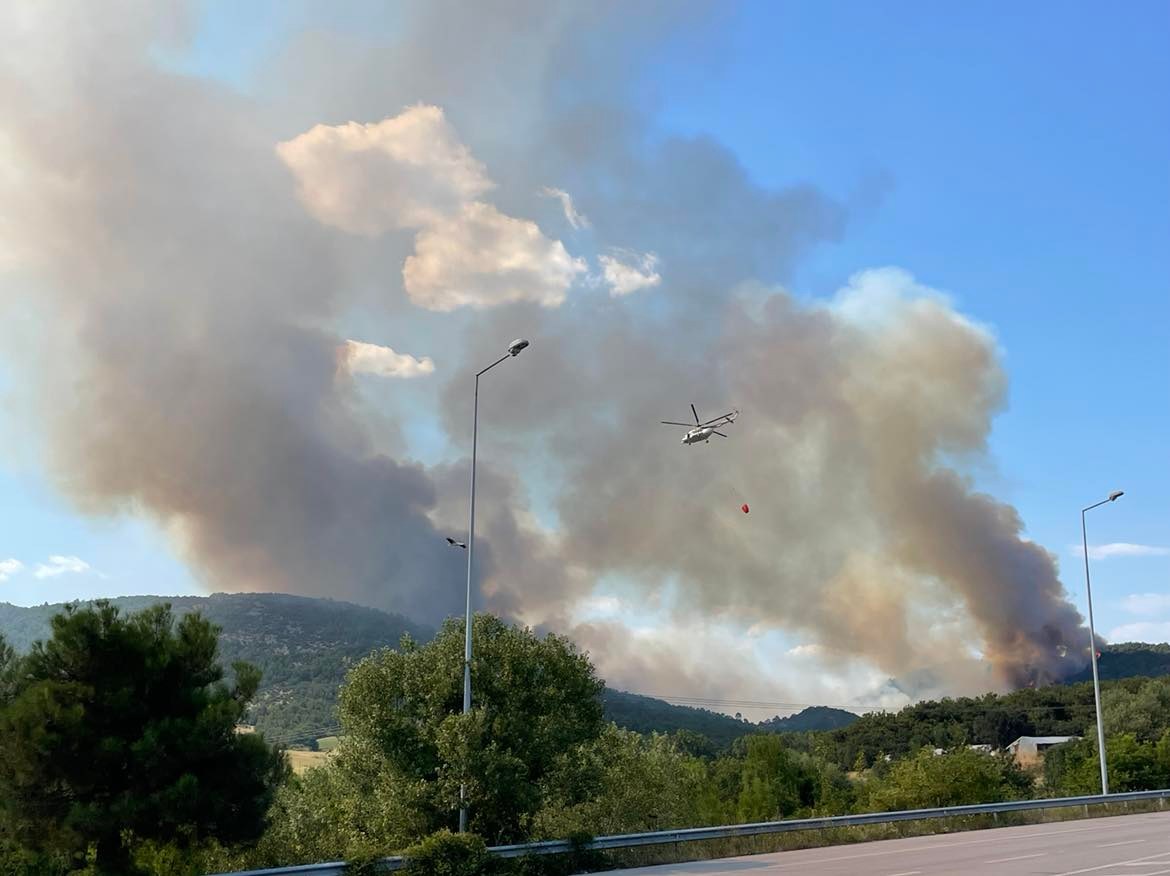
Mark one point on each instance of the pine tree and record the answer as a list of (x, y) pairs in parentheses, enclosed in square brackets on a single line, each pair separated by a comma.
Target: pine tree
[(119, 729)]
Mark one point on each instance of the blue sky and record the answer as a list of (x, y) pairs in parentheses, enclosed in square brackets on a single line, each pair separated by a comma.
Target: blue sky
[(1014, 156), (1021, 153), (1024, 158)]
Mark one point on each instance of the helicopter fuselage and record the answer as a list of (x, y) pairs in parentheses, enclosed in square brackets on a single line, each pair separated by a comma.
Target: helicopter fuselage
[(695, 436), (701, 432)]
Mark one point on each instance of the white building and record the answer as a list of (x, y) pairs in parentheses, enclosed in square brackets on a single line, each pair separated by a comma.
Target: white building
[(1029, 749)]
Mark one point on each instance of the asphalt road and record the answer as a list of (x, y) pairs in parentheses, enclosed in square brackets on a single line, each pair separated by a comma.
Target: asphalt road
[(1128, 845)]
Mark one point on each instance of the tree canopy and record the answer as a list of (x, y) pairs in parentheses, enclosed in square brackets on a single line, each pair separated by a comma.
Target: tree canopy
[(535, 700), (303, 646), (959, 777), (119, 729), (121, 744)]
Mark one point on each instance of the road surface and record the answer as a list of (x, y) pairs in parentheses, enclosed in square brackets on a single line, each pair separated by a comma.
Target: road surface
[(1128, 845)]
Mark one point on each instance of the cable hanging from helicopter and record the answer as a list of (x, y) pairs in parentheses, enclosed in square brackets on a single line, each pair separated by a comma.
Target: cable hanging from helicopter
[(700, 433)]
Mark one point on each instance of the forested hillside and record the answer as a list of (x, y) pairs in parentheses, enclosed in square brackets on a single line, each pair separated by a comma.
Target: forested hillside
[(811, 718), (302, 646), (647, 715), (991, 719), (1129, 659)]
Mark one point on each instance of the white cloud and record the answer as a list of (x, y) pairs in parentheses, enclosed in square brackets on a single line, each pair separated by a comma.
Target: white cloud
[(405, 172), (411, 172), (9, 568), (1147, 604), (60, 565), (1143, 631), (637, 271), (571, 215), (809, 650), (481, 258), (363, 358), (1120, 549)]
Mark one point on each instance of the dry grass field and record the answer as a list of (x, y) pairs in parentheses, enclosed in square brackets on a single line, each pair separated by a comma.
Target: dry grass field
[(305, 760)]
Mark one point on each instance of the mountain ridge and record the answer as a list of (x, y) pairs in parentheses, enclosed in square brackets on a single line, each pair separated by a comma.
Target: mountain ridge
[(304, 645)]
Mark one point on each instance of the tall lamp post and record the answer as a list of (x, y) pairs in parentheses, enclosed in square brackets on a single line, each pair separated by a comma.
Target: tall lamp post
[(514, 350), (1113, 497)]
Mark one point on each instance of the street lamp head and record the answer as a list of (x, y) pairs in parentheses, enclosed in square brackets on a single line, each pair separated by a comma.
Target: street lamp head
[(1115, 495), (516, 346)]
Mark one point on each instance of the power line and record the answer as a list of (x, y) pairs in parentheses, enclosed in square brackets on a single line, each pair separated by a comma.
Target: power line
[(296, 735), (853, 707)]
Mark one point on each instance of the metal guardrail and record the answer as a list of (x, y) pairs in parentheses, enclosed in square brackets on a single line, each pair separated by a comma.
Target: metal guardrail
[(693, 834)]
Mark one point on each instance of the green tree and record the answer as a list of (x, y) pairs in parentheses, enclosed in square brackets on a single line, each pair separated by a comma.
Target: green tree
[(1073, 769), (647, 783), (355, 807), (8, 670), (764, 777), (834, 794), (1162, 757), (120, 729), (774, 782), (694, 744), (536, 700), (1144, 712), (992, 719), (956, 778)]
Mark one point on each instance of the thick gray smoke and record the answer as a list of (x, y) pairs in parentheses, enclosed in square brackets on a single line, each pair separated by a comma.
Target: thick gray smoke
[(187, 367), (861, 532), (190, 253)]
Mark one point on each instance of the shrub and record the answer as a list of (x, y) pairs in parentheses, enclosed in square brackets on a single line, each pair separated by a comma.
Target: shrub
[(579, 859), (447, 854)]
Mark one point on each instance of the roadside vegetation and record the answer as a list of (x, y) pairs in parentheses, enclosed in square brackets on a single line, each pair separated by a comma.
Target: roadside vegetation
[(121, 755)]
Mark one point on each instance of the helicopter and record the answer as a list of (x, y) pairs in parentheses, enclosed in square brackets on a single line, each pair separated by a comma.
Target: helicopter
[(700, 432)]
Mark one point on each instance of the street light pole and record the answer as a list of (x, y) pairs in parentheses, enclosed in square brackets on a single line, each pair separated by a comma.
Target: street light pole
[(1113, 497), (514, 349)]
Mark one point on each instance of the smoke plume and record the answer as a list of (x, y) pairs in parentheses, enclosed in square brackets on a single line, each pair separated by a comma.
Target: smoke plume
[(188, 368), (194, 260)]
